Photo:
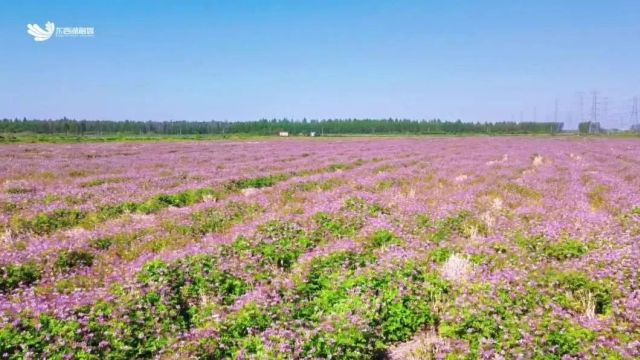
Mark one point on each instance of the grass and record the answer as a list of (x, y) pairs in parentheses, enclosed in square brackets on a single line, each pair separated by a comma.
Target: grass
[(597, 197)]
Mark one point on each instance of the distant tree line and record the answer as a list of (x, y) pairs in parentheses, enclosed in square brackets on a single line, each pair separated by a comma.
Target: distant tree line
[(589, 127), (270, 127)]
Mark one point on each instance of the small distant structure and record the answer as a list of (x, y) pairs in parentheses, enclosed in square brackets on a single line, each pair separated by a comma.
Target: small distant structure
[(313, 133), (283, 133)]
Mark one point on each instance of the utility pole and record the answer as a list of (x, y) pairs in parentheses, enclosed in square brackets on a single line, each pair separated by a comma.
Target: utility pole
[(555, 111), (535, 114)]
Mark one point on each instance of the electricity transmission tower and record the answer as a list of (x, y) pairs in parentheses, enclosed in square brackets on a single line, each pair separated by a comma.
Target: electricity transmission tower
[(594, 111)]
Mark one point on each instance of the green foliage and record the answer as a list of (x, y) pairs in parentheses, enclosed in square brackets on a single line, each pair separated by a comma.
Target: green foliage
[(383, 185), (384, 238), (402, 316), (333, 225), (78, 173), (589, 127), (185, 198), (20, 190), (12, 276), (306, 186), (523, 191), (282, 243), (598, 196), (491, 320), (161, 201), (331, 183), (334, 289), (70, 259), (534, 244), (52, 198), (47, 223), (191, 278), (98, 182), (211, 221), (34, 335), (462, 224), (257, 183), (441, 254), (149, 322), (67, 130), (562, 249), (111, 211), (238, 325), (473, 327), (565, 248), (235, 334), (240, 246), (8, 207), (216, 220), (66, 218), (573, 288), (70, 284), (361, 206), (568, 340), (424, 221), (339, 166), (145, 321), (102, 243), (322, 269), (345, 341), (49, 337)]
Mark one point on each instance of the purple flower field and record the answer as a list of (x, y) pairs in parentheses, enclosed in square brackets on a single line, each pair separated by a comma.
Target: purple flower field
[(399, 248)]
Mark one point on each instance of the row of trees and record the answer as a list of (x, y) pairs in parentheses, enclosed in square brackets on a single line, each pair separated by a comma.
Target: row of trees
[(269, 127), (590, 127)]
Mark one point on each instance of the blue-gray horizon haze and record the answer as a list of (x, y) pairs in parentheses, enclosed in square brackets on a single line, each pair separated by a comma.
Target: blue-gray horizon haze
[(214, 60)]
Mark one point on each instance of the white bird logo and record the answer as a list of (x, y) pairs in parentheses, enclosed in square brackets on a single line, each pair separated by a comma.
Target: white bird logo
[(38, 33)]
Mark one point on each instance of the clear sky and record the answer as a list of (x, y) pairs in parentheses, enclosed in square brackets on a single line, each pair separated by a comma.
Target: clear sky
[(244, 60)]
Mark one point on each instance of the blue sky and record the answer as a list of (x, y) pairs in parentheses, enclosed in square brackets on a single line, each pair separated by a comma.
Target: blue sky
[(244, 60)]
